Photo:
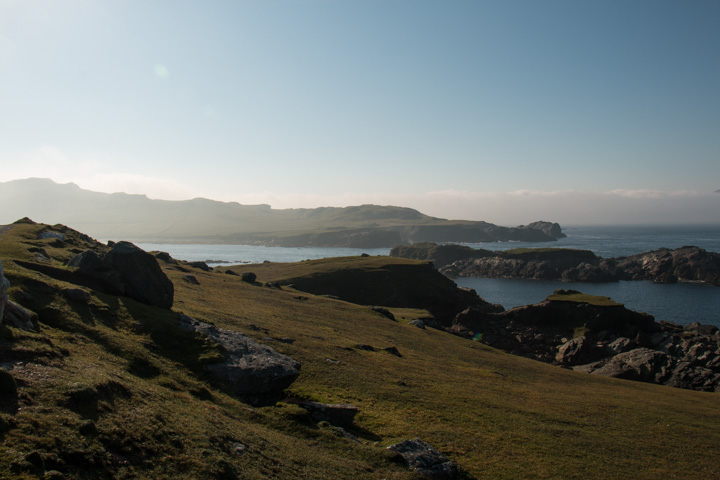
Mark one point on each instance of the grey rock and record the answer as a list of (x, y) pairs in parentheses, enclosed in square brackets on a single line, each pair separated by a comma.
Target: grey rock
[(418, 323), (16, 315), (191, 279), (578, 351), (51, 234), (87, 261), (422, 458), (338, 414), (621, 345), (165, 257), (252, 370), (641, 364), (384, 312), (201, 265)]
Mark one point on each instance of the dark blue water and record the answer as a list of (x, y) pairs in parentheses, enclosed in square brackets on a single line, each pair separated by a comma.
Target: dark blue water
[(618, 241), (682, 303)]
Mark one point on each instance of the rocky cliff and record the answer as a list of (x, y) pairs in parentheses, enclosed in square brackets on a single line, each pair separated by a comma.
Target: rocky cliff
[(685, 264)]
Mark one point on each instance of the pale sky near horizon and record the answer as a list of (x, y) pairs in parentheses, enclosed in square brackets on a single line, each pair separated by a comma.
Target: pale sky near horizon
[(506, 111)]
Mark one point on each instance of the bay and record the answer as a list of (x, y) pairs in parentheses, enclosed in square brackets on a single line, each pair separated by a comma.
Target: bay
[(217, 254), (682, 303)]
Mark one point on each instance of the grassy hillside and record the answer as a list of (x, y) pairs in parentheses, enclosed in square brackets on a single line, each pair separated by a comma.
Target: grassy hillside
[(114, 389), (379, 280)]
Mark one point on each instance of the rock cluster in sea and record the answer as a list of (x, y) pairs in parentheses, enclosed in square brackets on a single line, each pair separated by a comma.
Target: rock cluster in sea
[(602, 340), (685, 264)]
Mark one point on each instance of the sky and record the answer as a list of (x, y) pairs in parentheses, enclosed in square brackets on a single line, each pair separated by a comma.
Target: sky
[(509, 111)]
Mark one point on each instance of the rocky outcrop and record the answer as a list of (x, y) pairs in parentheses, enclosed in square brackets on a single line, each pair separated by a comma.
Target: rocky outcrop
[(10, 312), (439, 255), (423, 458), (253, 371), (389, 283), (601, 338), (127, 270), (686, 264), (684, 357)]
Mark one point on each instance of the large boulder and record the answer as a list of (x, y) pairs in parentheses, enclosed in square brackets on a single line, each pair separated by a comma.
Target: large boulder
[(144, 279), (127, 270), (578, 350), (253, 371), (423, 458)]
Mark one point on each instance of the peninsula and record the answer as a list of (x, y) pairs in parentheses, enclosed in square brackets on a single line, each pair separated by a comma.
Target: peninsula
[(141, 219)]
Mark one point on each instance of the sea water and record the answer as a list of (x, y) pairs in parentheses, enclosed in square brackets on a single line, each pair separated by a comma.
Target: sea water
[(682, 303)]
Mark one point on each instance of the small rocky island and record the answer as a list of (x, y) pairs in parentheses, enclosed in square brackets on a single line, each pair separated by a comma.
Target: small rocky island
[(685, 264)]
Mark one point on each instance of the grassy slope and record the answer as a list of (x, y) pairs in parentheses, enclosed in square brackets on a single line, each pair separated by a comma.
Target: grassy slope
[(497, 415)]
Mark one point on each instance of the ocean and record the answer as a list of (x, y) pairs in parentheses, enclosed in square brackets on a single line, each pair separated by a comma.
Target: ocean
[(681, 303)]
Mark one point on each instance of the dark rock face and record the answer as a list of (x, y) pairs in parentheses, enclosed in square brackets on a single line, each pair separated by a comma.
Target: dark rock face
[(686, 264), (254, 371), (141, 274), (384, 312), (10, 312), (602, 340), (538, 265), (338, 414), (669, 266), (128, 270), (77, 295), (424, 459), (248, 277)]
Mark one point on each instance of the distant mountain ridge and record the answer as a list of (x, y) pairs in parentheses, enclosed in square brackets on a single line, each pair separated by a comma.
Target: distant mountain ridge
[(138, 218)]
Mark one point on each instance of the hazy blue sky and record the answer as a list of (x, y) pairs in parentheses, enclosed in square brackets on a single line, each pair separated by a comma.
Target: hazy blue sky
[(506, 111)]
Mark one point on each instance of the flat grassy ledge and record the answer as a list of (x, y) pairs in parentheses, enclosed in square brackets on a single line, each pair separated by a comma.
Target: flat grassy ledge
[(577, 297)]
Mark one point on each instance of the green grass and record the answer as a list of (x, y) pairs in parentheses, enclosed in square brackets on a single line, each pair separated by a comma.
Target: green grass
[(114, 390), (596, 300)]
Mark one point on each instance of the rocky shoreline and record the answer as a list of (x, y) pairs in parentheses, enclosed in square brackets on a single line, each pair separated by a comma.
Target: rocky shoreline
[(685, 264), (597, 336)]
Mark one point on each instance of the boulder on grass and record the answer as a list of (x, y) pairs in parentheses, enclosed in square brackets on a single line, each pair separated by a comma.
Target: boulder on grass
[(253, 371), (422, 458)]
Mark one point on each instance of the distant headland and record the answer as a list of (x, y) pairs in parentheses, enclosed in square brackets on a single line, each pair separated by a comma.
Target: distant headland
[(141, 219)]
